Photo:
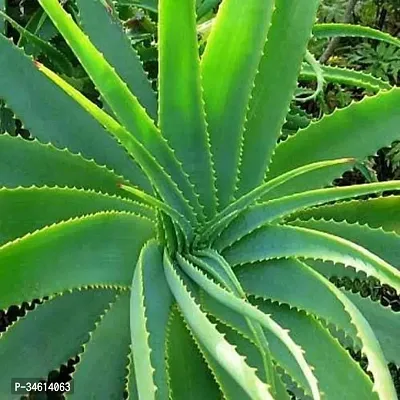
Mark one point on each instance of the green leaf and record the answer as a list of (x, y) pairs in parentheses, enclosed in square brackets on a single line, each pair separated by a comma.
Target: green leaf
[(287, 241), (211, 262), (52, 167), (274, 86), (356, 131), (246, 309), (384, 322), (228, 60), (123, 103), (276, 209), (29, 209), (181, 108), (370, 346), (189, 377), (99, 249), (105, 31), (271, 280), (164, 184), (105, 355), (384, 244), (348, 30), (225, 216), (331, 363), (382, 212), (212, 340), (345, 76), (248, 350), (54, 117), (151, 302), (49, 335)]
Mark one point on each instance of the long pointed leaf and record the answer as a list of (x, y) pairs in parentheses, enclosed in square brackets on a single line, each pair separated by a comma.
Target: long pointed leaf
[(105, 31), (384, 322), (356, 131), (228, 60), (287, 241), (98, 249), (164, 184), (181, 109), (331, 363), (224, 217), (370, 346), (151, 302), (276, 209), (246, 309), (382, 212), (274, 86), (26, 210), (52, 116), (384, 244), (346, 76), (52, 167), (124, 104), (346, 30), (212, 340)]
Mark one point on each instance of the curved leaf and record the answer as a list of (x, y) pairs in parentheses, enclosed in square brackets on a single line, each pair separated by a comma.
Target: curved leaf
[(346, 30), (276, 209), (98, 249), (52, 167), (225, 216), (383, 212), (220, 270), (384, 322), (287, 241), (248, 350), (212, 340), (384, 244), (331, 363), (370, 346), (246, 309), (356, 131), (25, 210), (346, 76)]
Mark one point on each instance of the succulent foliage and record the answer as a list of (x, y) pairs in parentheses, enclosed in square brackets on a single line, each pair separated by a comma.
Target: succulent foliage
[(178, 249)]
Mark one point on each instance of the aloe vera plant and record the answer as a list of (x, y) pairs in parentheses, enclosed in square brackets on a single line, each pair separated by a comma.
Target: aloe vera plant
[(176, 248)]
